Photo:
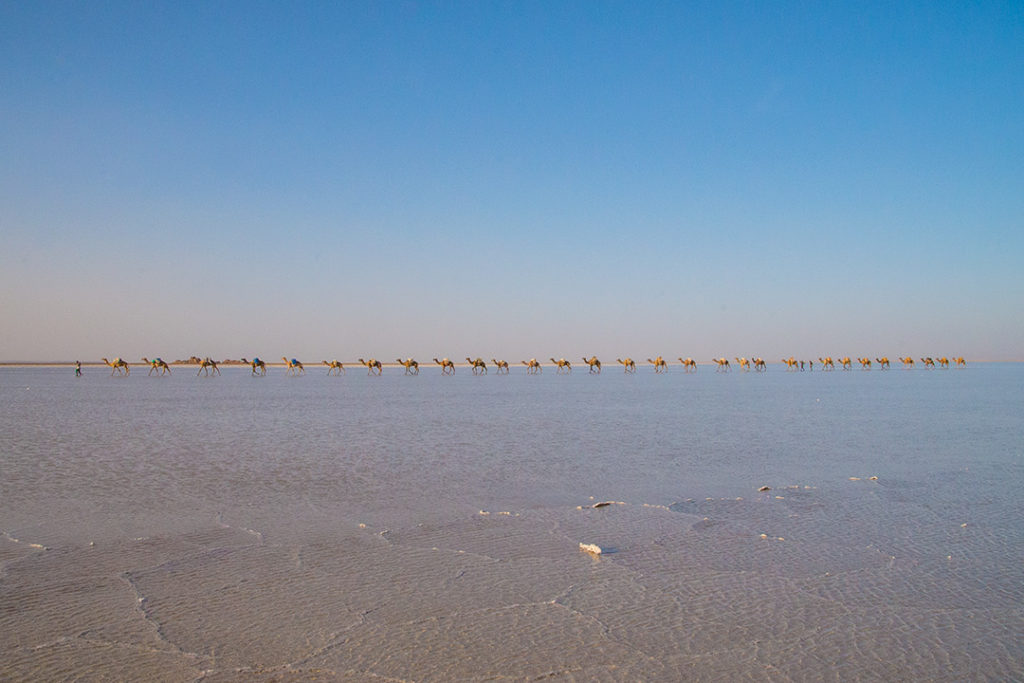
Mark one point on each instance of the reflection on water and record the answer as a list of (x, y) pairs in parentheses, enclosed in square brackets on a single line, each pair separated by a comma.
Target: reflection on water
[(428, 528)]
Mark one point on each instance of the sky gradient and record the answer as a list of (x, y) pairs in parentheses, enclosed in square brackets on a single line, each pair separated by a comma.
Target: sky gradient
[(336, 180)]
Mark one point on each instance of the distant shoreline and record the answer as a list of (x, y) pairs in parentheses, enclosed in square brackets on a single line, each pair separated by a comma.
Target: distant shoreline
[(354, 364)]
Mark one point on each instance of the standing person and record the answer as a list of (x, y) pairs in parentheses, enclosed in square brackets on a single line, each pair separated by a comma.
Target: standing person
[(78, 368)]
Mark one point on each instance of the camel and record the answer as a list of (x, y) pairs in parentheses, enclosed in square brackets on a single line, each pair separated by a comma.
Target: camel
[(744, 364), (659, 364), (373, 366), (479, 366), (929, 363), (865, 363), (410, 365), (908, 362), (119, 365), (257, 365), (760, 365), (689, 364), (563, 365), (792, 364), (157, 364), (847, 363), (532, 366), (826, 363), (723, 364), (960, 362), (333, 367), (944, 362), (883, 363), (595, 365), (447, 367), (629, 364), (294, 367), (502, 366), (207, 364)]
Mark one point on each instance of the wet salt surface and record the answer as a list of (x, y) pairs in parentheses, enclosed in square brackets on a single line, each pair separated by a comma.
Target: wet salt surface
[(429, 528)]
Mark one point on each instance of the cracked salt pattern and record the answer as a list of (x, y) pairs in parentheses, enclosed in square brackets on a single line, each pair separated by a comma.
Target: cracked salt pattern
[(428, 528)]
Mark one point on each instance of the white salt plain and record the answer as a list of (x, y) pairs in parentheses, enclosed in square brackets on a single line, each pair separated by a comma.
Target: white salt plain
[(428, 528)]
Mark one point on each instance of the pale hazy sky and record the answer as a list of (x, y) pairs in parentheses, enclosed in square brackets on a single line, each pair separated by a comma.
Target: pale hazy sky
[(511, 179)]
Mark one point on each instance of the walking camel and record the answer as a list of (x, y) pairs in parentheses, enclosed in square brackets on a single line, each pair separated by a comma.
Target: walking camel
[(826, 363), (157, 364), (373, 367), (760, 365), (723, 364), (630, 365), (410, 365), (502, 366), (118, 366), (532, 366), (334, 366), (689, 364), (659, 364), (595, 365), (479, 366), (447, 367), (206, 365), (865, 363), (294, 367), (563, 365), (908, 362), (883, 363), (257, 365), (744, 364)]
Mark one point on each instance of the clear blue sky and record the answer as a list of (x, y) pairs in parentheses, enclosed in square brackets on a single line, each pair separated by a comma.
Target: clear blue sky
[(514, 179)]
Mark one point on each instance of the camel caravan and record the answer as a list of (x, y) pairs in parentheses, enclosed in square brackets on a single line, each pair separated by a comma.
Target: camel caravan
[(207, 367)]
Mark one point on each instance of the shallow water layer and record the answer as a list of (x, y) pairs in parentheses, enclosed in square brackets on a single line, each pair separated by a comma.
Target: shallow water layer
[(429, 528)]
